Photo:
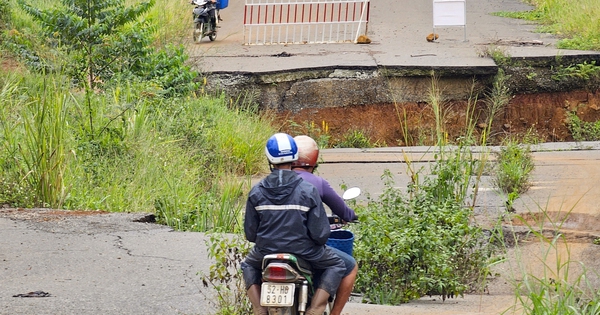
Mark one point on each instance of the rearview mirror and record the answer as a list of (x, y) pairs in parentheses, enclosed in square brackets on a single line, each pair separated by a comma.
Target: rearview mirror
[(351, 193)]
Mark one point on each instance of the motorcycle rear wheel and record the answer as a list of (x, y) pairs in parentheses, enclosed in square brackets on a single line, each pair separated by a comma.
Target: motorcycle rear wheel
[(293, 311), (282, 311), (212, 31)]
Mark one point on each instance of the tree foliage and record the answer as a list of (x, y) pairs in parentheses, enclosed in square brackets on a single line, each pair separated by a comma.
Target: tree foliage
[(103, 37)]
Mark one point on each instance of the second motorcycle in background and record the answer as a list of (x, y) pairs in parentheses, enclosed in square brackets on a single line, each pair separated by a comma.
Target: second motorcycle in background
[(206, 18)]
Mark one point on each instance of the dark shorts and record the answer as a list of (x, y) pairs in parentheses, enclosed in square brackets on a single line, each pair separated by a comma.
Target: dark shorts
[(330, 265)]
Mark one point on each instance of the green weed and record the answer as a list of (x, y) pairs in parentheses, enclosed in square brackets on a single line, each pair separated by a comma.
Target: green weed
[(421, 242), (225, 275), (582, 130), (497, 53), (584, 71), (512, 170)]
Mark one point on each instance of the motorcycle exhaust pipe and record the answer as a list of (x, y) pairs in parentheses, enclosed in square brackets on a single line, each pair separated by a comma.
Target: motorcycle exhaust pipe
[(303, 297)]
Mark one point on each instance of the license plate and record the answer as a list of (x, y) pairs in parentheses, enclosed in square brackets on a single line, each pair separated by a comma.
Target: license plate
[(277, 294)]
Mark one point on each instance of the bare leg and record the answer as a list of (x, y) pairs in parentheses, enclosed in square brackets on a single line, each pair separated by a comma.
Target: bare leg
[(344, 290), (318, 303), (254, 296)]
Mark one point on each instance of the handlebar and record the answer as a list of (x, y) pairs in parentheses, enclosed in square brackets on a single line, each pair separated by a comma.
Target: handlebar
[(336, 223)]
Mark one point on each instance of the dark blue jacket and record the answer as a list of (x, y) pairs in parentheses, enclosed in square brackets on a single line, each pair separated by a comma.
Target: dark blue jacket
[(284, 214)]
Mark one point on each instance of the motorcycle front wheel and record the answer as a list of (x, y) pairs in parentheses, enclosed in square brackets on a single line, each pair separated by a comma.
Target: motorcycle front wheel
[(198, 32)]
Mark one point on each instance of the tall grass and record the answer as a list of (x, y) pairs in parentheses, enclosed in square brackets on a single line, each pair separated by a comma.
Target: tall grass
[(174, 19), (34, 132), (185, 159), (576, 21)]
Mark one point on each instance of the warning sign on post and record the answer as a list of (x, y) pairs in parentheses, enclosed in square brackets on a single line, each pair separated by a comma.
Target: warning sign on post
[(449, 13)]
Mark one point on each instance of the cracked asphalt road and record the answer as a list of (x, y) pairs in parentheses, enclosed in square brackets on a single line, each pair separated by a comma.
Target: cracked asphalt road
[(98, 263)]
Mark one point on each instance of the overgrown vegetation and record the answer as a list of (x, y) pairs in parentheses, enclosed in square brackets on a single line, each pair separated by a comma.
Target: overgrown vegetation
[(512, 170), (583, 130), (152, 154), (575, 21), (416, 245), (584, 71), (100, 43), (107, 140), (422, 242), (225, 275), (355, 138)]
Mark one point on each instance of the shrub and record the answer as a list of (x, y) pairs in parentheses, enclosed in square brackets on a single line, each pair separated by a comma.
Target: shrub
[(225, 275), (355, 139), (581, 130), (413, 246)]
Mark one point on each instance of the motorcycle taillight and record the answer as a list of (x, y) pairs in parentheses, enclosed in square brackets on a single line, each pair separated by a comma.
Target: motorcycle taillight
[(280, 272)]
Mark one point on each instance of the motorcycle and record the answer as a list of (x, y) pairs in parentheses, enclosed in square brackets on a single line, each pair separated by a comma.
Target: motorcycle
[(205, 20), (288, 281)]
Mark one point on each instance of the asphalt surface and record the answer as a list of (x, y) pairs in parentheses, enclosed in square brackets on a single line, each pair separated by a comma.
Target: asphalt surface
[(97, 263)]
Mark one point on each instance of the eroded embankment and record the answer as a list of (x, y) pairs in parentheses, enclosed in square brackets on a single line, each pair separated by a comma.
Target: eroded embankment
[(392, 106)]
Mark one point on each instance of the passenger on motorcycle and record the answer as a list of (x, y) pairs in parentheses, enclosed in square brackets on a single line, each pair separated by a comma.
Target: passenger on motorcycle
[(308, 155), (285, 214)]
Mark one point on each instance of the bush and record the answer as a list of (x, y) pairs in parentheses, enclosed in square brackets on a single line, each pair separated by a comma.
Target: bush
[(581, 130), (413, 246)]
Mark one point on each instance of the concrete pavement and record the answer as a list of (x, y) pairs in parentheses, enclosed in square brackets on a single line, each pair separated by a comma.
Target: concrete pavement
[(398, 30)]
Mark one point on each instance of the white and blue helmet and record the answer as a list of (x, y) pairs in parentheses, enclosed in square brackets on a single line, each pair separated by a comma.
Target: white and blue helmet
[(281, 148)]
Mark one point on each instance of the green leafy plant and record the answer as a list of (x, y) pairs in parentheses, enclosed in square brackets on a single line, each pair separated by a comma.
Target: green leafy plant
[(93, 32), (584, 71), (225, 275), (582, 130), (421, 242), (411, 246)]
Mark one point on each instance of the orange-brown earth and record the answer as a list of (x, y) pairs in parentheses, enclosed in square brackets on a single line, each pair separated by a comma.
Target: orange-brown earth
[(542, 115)]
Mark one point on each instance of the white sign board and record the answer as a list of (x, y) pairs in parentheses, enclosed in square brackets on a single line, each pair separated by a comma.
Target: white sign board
[(449, 13)]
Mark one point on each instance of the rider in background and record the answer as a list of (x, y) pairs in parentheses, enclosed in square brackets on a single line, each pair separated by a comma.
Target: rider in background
[(213, 15), (308, 155)]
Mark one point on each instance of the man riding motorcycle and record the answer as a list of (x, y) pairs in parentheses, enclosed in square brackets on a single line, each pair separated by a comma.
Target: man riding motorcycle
[(308, 156), (284, 213)]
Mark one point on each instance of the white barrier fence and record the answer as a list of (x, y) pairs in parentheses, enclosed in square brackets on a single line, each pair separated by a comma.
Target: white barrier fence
[(268, 22)]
